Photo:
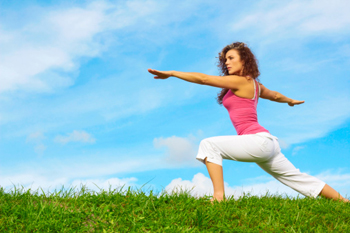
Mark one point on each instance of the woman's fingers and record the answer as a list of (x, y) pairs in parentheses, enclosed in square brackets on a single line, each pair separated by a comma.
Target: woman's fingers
[(152, 71), (294, 102), (160, 74)]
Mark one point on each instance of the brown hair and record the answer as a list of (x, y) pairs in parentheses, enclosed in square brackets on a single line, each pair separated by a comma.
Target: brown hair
[(250, 64)]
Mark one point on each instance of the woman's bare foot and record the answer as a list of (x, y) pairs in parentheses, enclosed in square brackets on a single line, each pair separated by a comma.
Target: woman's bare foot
[(217, 198), (330, 193)]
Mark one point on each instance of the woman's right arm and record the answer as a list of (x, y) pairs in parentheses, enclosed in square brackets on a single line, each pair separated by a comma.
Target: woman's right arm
[(277, 97)]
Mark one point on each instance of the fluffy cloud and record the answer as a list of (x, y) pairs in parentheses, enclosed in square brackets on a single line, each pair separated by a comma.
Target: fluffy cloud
[(45, 51), (179, 151), (201, 185), (75, 136), (306, 17), (336, 179), (103, 184), (38, 54), (36, 182), (50, 173)]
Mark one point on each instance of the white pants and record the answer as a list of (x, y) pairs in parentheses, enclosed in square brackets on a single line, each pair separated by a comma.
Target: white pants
[(264, 150)]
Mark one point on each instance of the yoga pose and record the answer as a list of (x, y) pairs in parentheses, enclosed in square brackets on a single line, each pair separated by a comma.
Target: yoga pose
[(239, 95)]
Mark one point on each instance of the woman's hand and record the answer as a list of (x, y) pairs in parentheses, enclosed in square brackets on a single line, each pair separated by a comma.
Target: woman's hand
[(295, 102), (160, 74)]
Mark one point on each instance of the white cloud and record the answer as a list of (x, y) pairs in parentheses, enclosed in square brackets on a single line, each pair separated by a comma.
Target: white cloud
[(41, 183), (39, 48), (52, 172), (30, 180), (272, 187), (76, 170), (105, 184), (179, 151), (44, 53), (75, 136), (37, 55), (201, 185), (335, 178), (301, 17)]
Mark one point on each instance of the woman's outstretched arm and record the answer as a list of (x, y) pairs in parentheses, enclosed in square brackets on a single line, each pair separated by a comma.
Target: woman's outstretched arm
[(229, 81), (277, 97)]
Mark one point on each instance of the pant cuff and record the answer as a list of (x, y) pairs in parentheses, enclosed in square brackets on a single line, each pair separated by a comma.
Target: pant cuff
[(201, 158), (318, 190)]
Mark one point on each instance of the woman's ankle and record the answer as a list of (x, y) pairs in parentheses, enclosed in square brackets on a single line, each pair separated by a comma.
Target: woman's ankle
[(218, 196)]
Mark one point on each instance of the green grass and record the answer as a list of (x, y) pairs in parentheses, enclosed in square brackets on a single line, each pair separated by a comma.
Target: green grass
[(134, 211)]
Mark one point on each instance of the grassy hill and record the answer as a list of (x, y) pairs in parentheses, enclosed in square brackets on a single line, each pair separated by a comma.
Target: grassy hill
[(134, 211)]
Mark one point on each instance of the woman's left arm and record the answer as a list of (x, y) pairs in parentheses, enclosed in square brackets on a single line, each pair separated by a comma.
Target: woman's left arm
[(230, 81)]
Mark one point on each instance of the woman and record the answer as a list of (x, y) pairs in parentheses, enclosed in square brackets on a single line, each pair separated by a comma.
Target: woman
[(239, 94)]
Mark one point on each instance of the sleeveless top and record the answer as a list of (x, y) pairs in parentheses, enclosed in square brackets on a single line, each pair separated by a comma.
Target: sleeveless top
[(243, 113)]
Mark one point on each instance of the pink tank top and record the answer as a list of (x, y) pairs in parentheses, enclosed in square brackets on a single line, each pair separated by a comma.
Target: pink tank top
[(242, 112)]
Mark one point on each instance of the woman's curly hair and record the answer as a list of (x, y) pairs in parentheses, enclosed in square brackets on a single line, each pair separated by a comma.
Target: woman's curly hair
[(250, 64)]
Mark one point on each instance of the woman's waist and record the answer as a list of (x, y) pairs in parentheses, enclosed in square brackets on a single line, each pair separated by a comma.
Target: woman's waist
[(266, 134), (250, 128)]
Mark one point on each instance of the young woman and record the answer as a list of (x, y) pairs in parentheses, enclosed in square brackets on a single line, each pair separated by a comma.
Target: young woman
[(240, 93)]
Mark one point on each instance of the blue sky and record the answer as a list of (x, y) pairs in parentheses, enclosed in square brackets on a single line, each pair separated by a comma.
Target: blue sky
[(77, 105)]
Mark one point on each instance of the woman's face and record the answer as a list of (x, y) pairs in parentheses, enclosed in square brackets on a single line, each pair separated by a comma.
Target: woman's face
[(233, 62)]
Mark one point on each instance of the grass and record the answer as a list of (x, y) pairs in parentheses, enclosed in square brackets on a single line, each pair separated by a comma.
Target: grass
[(134, 211)]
